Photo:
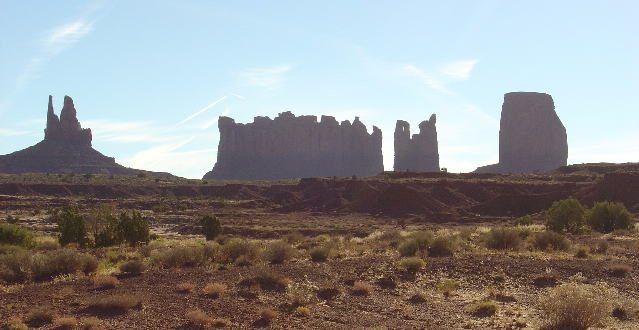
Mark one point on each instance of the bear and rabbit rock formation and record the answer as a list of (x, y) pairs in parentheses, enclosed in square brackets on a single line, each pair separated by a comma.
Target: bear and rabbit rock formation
[(419, 153), (66, 148), (295, 147), (531, 135)]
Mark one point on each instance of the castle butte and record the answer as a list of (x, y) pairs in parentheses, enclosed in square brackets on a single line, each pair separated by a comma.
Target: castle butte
[(531, 135), (419, 152), (296, 147), (66, 148)]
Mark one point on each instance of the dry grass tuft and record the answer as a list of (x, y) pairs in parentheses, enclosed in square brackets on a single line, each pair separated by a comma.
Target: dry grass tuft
[(302, 311), (198, 318), (91, 323), (185, 287), (266, 280), (134, 267), (412, 264), (483, 308), (15, 323), (279, 251), (620, 270), (221, 323), (214, 290), (115, 304), (40, 316), (361, 288), (105, 282), (66, 323), (268, 315), (577, 306)]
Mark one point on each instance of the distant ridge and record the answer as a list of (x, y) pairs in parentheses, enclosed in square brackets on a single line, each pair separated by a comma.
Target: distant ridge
[(66, 148)]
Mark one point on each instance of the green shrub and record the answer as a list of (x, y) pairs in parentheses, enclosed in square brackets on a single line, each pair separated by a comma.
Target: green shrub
[(567, 215), (606, 217), (61, 262), (235, 247), (443, 246), (15, 267), (182, 256), (279, 251), (523, 221), (412, 264), (15, 235), (503, 238), (134, 228), (211, 227), (550, 240), (72, 227), (321, 253), (577, 306), (418, 242)]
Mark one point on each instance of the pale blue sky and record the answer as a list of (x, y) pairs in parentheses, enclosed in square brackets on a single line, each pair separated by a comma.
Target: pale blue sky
[(150, 77)]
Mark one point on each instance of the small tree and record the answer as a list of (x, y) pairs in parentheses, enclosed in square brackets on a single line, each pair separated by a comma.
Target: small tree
[(605, 217), (134, 228), (72, 226), (567, 215), (211, 227)]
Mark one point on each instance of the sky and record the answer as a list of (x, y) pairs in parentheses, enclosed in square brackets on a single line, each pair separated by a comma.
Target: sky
[(150, 78)]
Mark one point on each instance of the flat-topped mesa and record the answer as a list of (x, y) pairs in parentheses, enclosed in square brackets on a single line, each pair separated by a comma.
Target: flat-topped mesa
[(296, 147), (67, 128), (531, 135), (419, 153)]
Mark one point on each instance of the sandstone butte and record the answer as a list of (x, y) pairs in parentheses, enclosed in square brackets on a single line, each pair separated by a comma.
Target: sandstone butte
[(66, 148)]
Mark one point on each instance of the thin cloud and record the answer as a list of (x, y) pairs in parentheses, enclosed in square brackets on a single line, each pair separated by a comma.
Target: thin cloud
[(268, 78), (203, 110), (459, 70), (54, 42), (439, 78), (168, 158), (11, 132)]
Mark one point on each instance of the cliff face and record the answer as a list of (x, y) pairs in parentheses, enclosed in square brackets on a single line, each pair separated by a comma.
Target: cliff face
[(419, 153), (296, 147), (66, 148), (531, 135)]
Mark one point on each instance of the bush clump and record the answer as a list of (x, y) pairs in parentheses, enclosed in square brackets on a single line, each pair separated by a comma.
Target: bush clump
[(182, 256), (577, 306), (236, 247), (115, 304), (361, 288), (11, 234), (105, 282), (443, 246), (72, 226), (134, 267), (418, 242), (214, 290), (198, 318), (550, 240), (483, 308), (567, 215), (321, 253), (211, 227), (412, 264), (46, 266), (279, 251), (503, 238), (606, 217)]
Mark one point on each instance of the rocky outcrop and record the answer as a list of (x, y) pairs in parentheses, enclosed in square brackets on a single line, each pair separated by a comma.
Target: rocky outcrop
[(296, 147), (66, 148), (531, 135), (419, 153)]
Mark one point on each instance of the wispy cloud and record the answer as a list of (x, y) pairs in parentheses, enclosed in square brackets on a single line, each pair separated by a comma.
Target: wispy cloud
[(168, 158), (439, 78), (459, 70), (52, 43), (11, 132), (268, 77)]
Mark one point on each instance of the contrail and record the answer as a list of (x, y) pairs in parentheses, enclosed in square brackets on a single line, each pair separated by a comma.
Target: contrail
[(201, 111)]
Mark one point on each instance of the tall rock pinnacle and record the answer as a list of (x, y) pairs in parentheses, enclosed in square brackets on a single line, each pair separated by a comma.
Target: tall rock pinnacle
[(67, 128), (419, 152)]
